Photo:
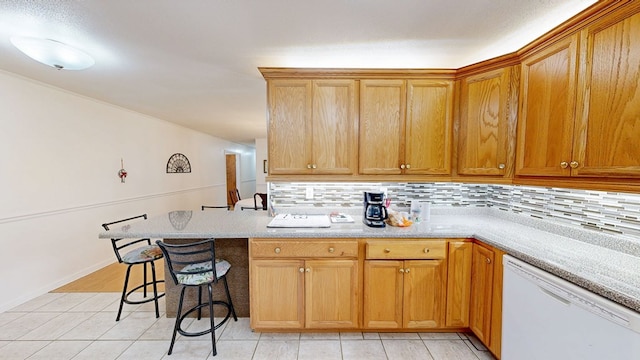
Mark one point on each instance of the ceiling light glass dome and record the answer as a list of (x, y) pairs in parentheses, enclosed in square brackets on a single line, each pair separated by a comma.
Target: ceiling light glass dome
[(53, 53)]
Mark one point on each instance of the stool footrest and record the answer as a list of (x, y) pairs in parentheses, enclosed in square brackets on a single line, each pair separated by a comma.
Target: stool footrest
[(144, 300), (195, 308)]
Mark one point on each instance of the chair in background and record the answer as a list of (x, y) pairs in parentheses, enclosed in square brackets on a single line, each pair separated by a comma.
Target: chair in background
[(256, 196), (191, 266), (133, 252), (216, 207), (234, 195)]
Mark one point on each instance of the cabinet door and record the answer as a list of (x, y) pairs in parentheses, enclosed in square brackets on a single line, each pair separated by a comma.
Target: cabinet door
[(382, 120), (485, 139), (277, 294), (383, 294), (607, 130), (495, 341), (331, 293), (424, 293), (289, 126), (458, 283), (335, 127), (481, 292), (428, 127), (545, 125)]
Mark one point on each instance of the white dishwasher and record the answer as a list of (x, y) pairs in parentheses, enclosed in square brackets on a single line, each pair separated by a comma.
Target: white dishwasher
[(545, 317)]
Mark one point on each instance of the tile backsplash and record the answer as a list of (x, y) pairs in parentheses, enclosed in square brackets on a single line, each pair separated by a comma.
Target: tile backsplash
[(608, 212)]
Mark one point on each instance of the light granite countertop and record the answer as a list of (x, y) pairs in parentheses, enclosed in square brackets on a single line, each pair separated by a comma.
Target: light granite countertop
[(607, 265)]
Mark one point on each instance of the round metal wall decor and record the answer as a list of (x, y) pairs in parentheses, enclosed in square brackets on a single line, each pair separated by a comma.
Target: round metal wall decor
[(178, 163)]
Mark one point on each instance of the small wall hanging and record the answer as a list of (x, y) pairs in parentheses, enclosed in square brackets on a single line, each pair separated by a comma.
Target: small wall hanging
[(122, 173), (178, 163)]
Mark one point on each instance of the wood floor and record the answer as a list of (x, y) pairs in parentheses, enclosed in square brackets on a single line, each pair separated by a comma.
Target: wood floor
[(111, 279)]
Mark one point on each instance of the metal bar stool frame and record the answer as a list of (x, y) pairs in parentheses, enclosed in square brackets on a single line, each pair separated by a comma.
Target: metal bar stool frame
[(228, 207), (142, 259), (191, 265)]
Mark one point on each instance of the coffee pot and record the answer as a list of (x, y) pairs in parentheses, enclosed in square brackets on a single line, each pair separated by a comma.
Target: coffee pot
[(374, 210)]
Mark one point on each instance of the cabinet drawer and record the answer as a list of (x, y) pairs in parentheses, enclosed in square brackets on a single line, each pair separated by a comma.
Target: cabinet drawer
[(406, 249), (304, 248)]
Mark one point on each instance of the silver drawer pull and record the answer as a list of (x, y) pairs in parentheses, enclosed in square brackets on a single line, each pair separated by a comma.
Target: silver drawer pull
[(426, 250), (331, 250), (277, 250), (387, 250)]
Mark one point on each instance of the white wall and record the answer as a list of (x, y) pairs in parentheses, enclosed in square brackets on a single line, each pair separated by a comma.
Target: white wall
[(58, 181), (261, 155)]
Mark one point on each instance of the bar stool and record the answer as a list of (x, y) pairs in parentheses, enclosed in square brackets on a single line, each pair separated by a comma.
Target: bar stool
[(256, 196), (140, 255), (190, 266)]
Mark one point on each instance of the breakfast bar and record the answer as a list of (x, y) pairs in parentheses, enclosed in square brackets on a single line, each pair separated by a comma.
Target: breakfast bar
[(604, 264)]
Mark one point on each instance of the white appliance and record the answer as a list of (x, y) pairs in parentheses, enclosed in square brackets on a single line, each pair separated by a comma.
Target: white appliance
[(545, 318), (299, 221)]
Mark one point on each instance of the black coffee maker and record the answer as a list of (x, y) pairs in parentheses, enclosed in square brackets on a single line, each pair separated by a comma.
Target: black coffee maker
[(374, 210)]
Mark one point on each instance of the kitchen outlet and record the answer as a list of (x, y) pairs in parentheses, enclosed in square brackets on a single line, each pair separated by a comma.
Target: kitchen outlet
[(309, 194)]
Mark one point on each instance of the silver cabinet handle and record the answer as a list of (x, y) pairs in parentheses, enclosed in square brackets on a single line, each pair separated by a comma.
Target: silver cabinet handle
[(564, 164), (488, 261), (408, 166), (402, 166), (331, 250), (301, 270), (501, 166), (574, 164), (277, 250)]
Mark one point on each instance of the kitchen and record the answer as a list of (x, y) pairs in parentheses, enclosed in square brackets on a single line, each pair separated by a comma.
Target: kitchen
[(17, 221)]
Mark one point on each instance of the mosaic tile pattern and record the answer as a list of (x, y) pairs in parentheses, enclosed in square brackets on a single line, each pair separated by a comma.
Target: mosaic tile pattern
[(608, 212)]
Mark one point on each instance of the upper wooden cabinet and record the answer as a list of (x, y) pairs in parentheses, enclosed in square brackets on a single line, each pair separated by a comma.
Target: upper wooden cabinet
[(312, 127), (607, 128), (547, 109), (405, 126), (382, 127), (488, 113), (581, 100)]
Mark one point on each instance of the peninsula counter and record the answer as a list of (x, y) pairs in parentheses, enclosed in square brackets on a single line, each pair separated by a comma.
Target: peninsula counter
[(607, 265)]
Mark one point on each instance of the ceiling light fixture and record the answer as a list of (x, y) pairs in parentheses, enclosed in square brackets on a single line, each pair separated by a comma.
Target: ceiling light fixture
[(53, 53)]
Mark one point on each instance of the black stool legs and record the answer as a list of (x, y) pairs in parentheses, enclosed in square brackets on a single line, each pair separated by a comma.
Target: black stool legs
[(180, 316), (154, 282)]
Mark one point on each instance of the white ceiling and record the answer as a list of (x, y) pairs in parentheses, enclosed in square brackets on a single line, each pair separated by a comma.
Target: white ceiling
[(194, 62)]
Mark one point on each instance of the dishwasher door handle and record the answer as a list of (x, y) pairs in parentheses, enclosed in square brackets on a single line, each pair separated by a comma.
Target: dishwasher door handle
[(555, 296)]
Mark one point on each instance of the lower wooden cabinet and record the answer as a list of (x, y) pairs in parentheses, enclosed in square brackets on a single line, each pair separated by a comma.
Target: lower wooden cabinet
[(277, 294), (293, 286), (404, 284), (431, 284), (406, 294), (485, 314), (458, 283)]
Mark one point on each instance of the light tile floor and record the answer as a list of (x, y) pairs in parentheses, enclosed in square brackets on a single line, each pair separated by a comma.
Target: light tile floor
[(83, 326)]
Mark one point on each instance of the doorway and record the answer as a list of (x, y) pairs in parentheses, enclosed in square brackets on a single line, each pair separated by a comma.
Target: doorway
[(231, 175)]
